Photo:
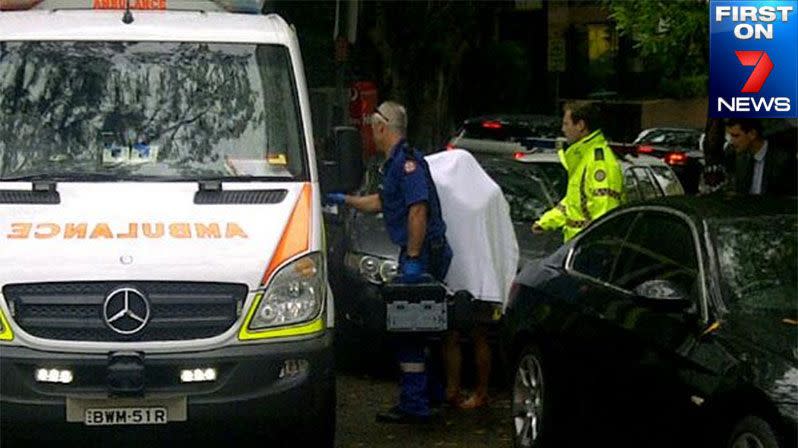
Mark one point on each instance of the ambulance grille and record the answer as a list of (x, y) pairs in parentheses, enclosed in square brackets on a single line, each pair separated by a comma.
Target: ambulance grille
[(75, 311), (204, 197), (29, 197)]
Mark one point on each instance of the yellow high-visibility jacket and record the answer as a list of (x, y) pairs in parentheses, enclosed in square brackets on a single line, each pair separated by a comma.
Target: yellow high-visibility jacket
[(595, 186)]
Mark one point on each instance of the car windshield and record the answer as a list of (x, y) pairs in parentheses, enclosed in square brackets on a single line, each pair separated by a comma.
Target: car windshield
[(529, 188), (757, 258), (667, 180), (148, 110), (671, 138)]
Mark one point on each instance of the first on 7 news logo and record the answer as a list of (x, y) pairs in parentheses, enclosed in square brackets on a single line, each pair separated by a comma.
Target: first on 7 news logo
[(753, 66)]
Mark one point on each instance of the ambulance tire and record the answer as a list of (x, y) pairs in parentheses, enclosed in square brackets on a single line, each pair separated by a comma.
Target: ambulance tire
[(318, 427)]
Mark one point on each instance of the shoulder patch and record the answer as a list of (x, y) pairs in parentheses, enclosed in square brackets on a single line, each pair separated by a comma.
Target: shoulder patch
[(410, 166), (599, 154)]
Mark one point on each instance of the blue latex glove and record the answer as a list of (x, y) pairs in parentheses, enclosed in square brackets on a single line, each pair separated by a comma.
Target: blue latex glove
[(335, 199), (412, 271)]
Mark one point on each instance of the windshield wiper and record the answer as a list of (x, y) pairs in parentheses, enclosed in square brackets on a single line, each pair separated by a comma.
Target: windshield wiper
[(206, 179), (241, 178), (60, 177), (118, 177), (28, 178)]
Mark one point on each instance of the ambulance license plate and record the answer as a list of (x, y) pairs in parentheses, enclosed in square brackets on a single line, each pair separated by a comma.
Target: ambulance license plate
[(126, 416)]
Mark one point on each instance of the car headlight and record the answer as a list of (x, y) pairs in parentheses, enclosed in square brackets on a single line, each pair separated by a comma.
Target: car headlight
[(373, 269), (295, 295)]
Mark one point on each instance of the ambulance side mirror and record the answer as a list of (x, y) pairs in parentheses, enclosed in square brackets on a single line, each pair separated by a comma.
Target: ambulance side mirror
[(343, 171)]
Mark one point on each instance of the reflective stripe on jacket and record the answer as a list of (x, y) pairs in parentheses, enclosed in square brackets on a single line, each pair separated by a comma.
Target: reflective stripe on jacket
[(595, 186)]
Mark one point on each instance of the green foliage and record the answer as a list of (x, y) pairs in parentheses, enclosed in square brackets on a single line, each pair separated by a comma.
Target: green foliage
[(673, 35), (421, 46), (689, 86)]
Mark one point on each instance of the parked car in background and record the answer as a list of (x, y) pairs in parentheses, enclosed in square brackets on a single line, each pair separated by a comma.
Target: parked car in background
[(645, 177), (507, 133), (362, 257), (665, 322), (678, 147)]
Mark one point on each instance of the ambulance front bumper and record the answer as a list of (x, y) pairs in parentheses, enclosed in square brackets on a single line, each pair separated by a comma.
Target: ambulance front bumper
[(258, 382)]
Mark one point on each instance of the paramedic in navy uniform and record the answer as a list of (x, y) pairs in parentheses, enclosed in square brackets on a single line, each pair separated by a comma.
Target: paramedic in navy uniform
[(411, 209)]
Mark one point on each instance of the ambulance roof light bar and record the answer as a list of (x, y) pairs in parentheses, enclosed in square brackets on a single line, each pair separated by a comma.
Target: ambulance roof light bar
[(236, 6)]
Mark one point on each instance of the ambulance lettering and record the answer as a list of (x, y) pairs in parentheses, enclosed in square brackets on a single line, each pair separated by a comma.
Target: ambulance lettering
[(134, 4), (208, 231), (105, 231), (73, 230)]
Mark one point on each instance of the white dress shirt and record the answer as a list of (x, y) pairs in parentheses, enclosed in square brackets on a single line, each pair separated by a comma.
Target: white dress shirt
[(759, 169)]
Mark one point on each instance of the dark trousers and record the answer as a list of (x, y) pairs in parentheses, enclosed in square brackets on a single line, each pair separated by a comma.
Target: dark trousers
[(417, 383)]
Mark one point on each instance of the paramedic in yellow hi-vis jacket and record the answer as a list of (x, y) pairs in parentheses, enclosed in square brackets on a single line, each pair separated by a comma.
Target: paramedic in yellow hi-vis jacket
[(595, 181)]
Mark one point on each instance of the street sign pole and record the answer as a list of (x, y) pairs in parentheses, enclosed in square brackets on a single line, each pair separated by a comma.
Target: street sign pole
[(556, 65)]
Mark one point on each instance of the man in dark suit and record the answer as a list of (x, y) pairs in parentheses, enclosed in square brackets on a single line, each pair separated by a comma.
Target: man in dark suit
[(756, 166)]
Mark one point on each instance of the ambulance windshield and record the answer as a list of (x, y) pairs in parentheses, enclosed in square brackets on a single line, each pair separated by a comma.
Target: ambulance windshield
[(148, 111)]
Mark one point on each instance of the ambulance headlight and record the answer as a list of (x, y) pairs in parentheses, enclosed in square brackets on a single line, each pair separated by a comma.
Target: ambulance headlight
[(5, 331), (294, 295), (373, 269)]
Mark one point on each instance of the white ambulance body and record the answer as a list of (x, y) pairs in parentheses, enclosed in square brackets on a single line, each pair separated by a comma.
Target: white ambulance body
[(161, 238)]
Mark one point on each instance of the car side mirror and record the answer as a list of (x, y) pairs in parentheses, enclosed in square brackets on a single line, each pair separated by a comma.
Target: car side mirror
[(344, 171), (663, 294)]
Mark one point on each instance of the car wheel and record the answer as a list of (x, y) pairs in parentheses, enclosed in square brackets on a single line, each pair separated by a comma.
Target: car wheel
[(752, 432), (532, 400)]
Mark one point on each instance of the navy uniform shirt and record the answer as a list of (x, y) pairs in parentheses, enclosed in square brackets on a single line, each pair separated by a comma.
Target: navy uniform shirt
[(406, 181)]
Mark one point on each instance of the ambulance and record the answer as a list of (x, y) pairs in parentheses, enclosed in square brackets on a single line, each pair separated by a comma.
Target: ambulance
[(162, 253)]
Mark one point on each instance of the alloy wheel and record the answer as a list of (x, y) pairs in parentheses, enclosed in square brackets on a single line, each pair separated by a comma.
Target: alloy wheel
[(527, 406), (747, 440)]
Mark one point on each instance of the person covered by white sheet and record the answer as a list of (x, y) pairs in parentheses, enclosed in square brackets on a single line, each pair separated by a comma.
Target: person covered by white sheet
[(480, 232)]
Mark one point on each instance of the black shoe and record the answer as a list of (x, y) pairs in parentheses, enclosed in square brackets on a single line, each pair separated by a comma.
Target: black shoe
[(396, 415)]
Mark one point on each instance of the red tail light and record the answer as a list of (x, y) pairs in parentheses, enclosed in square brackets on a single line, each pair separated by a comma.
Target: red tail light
[(519, 155), (645, 149), (491, 125), (676, 158)]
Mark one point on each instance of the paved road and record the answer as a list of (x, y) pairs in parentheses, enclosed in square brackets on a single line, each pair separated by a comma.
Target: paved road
[(360, 397), (362, 392)]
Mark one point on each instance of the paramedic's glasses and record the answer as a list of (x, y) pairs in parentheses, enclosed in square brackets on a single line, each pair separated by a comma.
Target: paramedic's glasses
[(377, 115)]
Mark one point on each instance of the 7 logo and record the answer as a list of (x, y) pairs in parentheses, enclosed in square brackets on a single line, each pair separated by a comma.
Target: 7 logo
[(762, 68)]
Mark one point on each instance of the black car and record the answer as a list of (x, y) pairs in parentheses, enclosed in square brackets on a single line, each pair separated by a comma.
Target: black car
[(679, 148), (665, 323)]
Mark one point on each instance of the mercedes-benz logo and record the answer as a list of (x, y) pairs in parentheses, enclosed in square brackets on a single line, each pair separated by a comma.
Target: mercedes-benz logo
[(126, 311)]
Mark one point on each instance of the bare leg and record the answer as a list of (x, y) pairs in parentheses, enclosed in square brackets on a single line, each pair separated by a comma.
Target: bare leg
[(453, 358), (482, 358)]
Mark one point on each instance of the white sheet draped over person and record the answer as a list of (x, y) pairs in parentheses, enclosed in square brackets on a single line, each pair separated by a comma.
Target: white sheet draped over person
[(480, 231), (478, 226)]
